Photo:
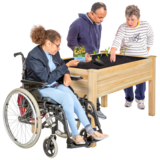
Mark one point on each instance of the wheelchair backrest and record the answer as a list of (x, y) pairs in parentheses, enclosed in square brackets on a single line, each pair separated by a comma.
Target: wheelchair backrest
[(23, 64), (32, 88)]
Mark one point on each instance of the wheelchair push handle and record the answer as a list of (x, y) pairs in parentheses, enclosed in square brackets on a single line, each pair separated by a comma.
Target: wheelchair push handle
[(15, 54)]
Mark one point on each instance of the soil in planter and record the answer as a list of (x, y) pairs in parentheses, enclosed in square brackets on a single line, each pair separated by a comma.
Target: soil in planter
[(106, 60)]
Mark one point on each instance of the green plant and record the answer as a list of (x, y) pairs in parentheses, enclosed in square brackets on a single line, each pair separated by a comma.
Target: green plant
[(108, 51), (95, 53), (124, 51)]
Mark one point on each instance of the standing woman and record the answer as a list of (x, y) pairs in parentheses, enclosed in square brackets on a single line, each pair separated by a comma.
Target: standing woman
[(44, 64), (137, 36)]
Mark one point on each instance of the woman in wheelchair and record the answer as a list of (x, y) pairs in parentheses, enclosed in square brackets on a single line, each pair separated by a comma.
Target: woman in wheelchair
[(44, 64)]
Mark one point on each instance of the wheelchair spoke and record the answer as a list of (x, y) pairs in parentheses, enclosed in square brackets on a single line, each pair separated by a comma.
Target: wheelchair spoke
[(11, 123), (17, 131), (27, 131), (16, 106), (21, 133), (27, 126), (10, 108), (12, 101), (12, 120), (24, 133), (12, 114), (14, 129), (16, 135)]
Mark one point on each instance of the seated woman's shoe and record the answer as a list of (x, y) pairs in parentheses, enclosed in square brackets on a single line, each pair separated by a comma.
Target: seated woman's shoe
[(79, 140), (99, 136)]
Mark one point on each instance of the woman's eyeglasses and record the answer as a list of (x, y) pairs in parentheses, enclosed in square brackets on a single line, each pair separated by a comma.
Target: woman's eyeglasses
[(58, 46)]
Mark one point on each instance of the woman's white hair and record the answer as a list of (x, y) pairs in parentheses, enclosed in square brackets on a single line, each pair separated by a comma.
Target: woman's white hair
[(132, 10)]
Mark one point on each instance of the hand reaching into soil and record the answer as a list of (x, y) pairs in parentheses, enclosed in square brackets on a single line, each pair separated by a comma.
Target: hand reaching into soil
[(72, 63)]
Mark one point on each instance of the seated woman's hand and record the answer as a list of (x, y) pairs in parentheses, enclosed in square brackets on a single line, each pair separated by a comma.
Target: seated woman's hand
[(72, 63), (67, 80)]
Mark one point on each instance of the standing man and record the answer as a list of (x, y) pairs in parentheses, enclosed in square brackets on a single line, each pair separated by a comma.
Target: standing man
[(86, 31)]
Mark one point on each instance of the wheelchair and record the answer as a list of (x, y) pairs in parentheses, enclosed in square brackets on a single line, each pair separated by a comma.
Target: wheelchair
[(24, 109)]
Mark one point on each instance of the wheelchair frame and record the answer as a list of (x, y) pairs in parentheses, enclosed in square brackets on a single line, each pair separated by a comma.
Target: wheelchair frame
[(47, 105)]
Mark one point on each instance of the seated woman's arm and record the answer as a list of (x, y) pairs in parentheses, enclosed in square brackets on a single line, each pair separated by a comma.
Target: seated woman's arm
[(62, 62), (42, 72)]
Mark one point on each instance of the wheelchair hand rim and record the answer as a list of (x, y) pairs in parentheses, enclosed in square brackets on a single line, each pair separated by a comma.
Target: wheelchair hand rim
[(9, 132)]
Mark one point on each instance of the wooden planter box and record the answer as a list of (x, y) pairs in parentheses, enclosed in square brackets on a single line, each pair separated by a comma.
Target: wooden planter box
[(101, 82)]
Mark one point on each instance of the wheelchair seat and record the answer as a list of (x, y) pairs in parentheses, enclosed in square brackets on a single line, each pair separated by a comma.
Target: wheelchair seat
[(49, 100)]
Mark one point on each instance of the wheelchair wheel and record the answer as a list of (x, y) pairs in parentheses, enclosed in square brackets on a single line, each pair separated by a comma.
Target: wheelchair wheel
[(83, 133), (50, 147), (21, 117)]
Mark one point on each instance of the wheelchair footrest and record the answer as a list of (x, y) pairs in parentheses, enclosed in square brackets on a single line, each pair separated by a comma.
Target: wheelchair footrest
[(71, 144), (90, 139)]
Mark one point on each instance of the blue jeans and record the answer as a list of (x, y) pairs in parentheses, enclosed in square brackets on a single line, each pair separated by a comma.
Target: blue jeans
[(64, 96), (139, 92)]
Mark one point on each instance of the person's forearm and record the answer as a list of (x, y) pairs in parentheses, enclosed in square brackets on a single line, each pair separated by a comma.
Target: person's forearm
[(113, 50), (66, 75)]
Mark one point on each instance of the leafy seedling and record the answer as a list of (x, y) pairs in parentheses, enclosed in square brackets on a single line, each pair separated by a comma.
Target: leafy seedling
[(124, 51), (107, 51)]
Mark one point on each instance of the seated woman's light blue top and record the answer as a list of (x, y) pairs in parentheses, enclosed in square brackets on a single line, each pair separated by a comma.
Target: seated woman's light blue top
[(51, 64)]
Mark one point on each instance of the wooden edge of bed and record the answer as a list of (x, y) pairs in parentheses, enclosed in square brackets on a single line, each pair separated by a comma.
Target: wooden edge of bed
[(116, 54)]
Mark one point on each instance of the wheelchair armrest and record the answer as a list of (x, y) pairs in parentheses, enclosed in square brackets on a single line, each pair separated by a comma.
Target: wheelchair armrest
[(76, 78), (24, 81), (33, 82)]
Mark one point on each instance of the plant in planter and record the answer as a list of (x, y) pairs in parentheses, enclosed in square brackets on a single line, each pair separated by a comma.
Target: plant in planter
[(98, 61), (124, 51), (97, 55), (108, 51)]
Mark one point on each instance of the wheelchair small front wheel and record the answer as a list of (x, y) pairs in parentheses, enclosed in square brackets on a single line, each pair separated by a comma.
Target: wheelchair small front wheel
[(50, 147)]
